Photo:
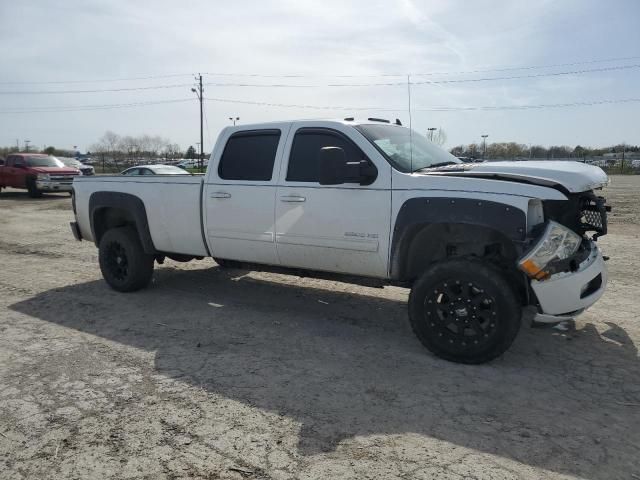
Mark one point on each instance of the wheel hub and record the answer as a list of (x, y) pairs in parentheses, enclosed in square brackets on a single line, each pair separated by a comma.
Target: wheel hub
[(117, 261), (460, 312)]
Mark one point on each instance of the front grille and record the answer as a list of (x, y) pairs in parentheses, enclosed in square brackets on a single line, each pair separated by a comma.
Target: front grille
[(593, 215), (581, 212), (62, 178)]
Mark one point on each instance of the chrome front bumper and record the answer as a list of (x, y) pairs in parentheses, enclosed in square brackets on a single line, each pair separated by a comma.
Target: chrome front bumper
[(54, 185), (565, 295)]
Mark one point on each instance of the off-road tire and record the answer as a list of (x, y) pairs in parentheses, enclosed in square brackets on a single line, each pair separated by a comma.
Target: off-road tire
[(124, 264), (465, 311), (32, 189)]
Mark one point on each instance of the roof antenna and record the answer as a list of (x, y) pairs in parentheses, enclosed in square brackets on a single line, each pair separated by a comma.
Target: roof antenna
[(410, 122)]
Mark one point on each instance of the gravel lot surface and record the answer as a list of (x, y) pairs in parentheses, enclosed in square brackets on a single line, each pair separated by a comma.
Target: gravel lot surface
[(215, 373)]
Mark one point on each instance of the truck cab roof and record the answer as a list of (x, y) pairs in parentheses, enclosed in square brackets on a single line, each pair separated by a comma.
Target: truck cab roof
[(351, 121)]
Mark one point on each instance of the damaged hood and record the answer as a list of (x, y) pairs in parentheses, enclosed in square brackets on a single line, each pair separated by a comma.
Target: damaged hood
[(573, 176)]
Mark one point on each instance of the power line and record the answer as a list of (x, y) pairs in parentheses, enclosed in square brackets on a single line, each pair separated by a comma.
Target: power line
[(124, 89), (82, 108), (104, 80), (530, 107), (288, 85), (379, 75), (534, 75), (427, 82), (529, 67), (460, 72), (77, 108), (428, 109)]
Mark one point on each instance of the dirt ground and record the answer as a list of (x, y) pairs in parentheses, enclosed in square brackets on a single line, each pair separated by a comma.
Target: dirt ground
[(215, 373)]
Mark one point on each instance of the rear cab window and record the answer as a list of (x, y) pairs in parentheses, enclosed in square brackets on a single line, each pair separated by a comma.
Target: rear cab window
[(250, 155)]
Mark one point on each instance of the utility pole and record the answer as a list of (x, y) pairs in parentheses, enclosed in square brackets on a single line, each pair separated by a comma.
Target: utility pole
[(431, 130), (201, 99), (484, 145)]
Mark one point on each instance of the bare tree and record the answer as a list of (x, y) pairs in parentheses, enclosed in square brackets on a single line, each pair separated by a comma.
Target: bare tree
[(171, 151), (134, 149)]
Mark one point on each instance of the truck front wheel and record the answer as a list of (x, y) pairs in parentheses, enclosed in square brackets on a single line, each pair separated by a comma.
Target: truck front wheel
[(124, 264), (465, 311), (32, 189)]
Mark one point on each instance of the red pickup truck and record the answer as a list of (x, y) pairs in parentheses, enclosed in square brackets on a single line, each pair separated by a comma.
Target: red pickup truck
[(37, 173)]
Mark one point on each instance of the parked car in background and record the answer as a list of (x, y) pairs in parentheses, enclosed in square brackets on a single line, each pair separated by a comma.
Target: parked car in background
[(37, 173), (73, 163), (154, 170), (192, 163)]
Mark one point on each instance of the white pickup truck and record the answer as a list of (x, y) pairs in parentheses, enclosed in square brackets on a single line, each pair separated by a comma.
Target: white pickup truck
[(476, 243)]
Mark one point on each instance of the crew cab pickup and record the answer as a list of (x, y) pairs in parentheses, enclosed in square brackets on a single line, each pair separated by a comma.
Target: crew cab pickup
[(37, 173), (476, 243)]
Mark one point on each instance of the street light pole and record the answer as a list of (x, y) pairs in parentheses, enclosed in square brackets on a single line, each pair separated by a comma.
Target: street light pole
[(484, 145), (431, 130), (26, 145), (201, 99)]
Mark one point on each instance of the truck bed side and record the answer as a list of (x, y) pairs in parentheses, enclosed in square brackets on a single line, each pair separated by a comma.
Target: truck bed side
[(172, 207)]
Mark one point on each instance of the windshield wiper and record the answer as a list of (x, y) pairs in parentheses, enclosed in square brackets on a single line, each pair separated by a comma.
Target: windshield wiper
[(436, 165)]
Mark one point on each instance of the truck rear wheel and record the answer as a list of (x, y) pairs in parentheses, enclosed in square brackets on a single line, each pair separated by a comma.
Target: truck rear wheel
[(465, 311), (124, 264)]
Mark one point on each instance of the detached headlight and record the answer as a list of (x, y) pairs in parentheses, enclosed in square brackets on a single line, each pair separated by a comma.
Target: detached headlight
[(44, 176), (557, 243)]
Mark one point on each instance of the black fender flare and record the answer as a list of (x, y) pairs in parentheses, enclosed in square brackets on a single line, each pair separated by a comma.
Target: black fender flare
[(132, 205), (420, 212)]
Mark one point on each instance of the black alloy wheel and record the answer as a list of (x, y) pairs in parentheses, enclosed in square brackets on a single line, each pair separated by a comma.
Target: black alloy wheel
[(465, 310), (124, 264)]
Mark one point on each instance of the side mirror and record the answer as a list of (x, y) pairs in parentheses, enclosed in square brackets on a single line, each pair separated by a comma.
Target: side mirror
[(336, 170), (333, 166)]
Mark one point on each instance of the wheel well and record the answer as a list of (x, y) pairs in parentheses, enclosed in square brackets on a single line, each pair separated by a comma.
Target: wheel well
[(106, 218), (115, 209), (431, 243)]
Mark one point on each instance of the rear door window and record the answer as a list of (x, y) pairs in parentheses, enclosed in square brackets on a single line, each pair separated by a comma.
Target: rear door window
[(249, 156)]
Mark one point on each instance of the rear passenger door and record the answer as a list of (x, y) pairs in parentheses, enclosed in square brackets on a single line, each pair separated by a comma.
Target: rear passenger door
[(240, 193), (16, 172), (337, 228)]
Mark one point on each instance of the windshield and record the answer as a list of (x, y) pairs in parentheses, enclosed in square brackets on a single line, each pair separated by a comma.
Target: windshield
[(71, 162), (407, 153), (44, 162)]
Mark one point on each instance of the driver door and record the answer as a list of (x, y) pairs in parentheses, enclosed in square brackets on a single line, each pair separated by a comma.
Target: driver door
[(336, 228)]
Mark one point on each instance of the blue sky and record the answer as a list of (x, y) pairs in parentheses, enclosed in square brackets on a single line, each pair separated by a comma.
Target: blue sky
[(77, 40)]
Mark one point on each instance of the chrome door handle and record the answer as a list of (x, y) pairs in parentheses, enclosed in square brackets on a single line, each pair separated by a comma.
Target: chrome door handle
[(219, 195), (292, 198)]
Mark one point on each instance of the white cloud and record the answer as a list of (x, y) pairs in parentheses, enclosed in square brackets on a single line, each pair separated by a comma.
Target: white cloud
[(79, 39)]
